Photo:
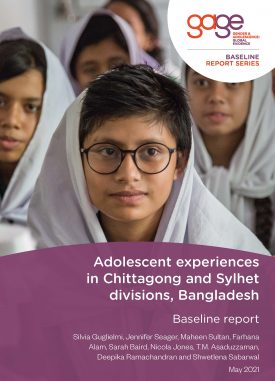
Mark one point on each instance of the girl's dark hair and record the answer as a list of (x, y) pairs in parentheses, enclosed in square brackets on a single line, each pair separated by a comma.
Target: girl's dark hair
[(99, 28), (263, 220), (137, 90), (19, 56), (150, 22)]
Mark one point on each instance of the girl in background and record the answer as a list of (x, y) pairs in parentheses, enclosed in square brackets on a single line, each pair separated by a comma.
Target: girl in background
[(142, 17), (235, 151), (34, 93), (97, 43)]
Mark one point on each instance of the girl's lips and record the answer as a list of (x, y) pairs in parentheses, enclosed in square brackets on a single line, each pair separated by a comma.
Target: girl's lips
[(9, 143), (129, 198), (217, 117)]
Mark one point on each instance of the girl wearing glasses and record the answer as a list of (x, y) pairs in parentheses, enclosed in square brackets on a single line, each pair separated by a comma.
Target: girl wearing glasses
[(31, 105), (235, 153), (120, 168)]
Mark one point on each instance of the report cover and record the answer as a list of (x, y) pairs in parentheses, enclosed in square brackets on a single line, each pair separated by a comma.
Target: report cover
[(150, 310)]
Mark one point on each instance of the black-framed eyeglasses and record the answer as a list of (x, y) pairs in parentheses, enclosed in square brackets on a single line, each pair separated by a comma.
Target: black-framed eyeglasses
[(150, 158)]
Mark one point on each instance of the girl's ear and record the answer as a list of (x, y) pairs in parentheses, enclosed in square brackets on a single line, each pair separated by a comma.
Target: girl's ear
[(182, 159)]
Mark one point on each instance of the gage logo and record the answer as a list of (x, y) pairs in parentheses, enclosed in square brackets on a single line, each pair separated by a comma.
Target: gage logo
[(222, 22)]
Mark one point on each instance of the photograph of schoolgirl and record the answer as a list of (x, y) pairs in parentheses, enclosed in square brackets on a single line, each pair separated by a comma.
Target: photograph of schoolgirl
[(234, 130), (122, 165), (102, 142), (32, 103)]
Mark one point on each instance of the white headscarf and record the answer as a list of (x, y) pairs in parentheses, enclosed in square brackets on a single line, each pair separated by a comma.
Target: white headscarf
[(61, 212), (251, 173), (57, 96), (70, 41)]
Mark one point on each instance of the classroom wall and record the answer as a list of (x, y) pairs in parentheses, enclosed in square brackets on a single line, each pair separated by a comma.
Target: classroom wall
[(24, 13)]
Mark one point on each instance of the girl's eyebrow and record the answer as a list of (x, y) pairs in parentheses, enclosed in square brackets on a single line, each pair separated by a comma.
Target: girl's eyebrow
[(33, 99), (28, 99), (196, 73), (4, 95), (88, 64), (120, 143)]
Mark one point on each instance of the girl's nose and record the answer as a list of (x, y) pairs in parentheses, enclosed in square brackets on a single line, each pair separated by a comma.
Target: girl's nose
[(128, 170), (217, 93), (12, 116)]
